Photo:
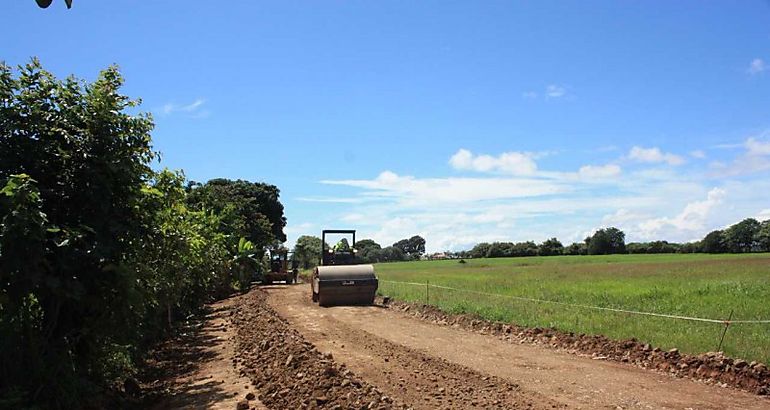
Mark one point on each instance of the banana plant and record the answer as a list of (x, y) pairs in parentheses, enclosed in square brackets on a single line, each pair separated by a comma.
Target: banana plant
[(245, 263)]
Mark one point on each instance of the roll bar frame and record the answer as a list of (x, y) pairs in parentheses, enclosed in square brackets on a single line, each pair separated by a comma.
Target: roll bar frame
[(324, 254)]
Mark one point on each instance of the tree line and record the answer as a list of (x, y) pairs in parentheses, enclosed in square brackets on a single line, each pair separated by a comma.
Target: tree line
[(746, 236), (307, 250), (99, 253)]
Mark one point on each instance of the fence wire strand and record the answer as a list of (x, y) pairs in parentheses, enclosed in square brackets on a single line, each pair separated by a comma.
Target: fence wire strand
[(577, 305)]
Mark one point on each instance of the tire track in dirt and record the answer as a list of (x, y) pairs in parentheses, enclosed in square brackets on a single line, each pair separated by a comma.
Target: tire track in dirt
[(384, 346), (423, 381), (291, 372)]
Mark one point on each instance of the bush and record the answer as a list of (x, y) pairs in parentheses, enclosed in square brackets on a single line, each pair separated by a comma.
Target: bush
[(98, 253)]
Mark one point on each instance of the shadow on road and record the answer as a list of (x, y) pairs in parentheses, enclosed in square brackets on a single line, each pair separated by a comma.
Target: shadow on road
[(173, 378)]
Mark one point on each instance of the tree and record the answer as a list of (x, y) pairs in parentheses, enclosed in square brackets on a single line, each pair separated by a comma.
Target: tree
[(714, 242), (690, 247), (617, 240), (73, 162), (576, 248), (391, 254), (366, 243), (550, 247), (599, 243), (413, 247), (607, 241), (480, 250), (527, 248), (416, 246), (98, 253), (635, 248), (251, 209), (307, 251), (368, 251), (739, 238), (653, 247), (762, 237), (499, 250)]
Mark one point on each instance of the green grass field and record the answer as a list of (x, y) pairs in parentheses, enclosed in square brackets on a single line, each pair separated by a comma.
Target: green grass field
[(709, 286)]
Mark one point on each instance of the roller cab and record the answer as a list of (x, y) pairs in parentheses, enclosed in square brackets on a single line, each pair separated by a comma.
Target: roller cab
[(338, 280)]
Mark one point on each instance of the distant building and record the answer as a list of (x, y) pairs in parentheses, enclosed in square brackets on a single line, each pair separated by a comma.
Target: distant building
[(438, 256)]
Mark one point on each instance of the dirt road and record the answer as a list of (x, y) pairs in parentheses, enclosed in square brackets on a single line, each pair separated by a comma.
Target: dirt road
[(431, 366), (198, 366)]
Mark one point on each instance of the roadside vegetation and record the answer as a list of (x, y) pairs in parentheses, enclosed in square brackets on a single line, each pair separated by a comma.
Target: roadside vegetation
[(699, 285), (100, 254)]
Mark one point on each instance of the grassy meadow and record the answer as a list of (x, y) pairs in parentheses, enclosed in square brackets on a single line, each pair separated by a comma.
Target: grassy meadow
[(700, 285)]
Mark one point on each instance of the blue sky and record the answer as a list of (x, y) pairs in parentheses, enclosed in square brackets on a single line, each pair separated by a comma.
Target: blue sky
[(459, 121)]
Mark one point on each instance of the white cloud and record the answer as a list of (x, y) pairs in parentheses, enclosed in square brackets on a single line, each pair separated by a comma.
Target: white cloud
[(514, 163), (763, 215), (193, 108), (551, 91), (699, 154), (599, 171), (754, 159), (298, 228), (336, 200), (692, 219), (519, 201), (654, 155), (294, 231), (411, 191), (756, 66), (756, 147), (555, 91), (622, 217)]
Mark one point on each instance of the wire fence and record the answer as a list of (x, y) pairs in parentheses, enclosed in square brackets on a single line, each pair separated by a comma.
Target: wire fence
[(747, 338)]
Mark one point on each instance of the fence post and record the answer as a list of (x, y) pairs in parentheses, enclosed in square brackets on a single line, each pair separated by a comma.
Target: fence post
[(427, 292), (727, 324)]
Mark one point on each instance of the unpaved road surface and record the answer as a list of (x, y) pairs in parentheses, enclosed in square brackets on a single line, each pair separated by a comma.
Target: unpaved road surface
[(431, 366), (199, 366)]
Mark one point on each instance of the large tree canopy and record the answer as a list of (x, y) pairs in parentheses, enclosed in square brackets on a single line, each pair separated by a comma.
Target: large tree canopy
[(607, 241), (251, 209), (413, 247), (741, 237), (550, 247), (714, 242)]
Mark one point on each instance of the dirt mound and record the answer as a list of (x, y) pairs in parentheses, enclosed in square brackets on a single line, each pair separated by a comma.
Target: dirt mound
[(712, 367), (289, 372)]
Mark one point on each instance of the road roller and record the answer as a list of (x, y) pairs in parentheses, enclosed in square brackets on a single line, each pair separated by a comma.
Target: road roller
[(338, 280)]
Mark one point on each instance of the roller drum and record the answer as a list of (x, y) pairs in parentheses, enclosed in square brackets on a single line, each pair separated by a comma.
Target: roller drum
[(344, 285)]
